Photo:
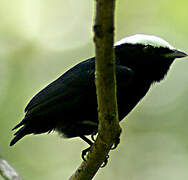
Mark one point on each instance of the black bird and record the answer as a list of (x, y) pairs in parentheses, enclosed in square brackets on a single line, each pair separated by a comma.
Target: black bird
[(68, 105)]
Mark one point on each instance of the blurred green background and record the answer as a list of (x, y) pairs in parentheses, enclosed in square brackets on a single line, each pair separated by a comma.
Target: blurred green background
[(39, 40)]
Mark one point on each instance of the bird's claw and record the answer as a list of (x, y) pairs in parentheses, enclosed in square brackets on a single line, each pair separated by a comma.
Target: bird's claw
[(114, 146), (93, 136), (84, 152), (105, 161)]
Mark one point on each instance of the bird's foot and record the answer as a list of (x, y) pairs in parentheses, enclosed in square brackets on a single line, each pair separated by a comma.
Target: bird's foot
[(105, 161), (93, 136), (85, 151)]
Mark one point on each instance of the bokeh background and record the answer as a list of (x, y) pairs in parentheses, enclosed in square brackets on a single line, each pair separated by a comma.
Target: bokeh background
[(39, 40)]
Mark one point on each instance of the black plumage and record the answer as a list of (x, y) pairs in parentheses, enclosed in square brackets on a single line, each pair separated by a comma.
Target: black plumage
[(69, 106)]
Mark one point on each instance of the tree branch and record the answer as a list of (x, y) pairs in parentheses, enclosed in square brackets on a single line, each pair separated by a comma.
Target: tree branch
[(7, 171), (109, 129)]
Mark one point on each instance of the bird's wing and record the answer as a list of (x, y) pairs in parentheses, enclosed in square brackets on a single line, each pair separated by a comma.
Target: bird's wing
[(124, 75), (55, 99), (73, 82), (70, 96), (78, 83)]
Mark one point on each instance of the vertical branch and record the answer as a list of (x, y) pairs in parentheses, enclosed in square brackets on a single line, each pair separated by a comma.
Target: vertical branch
[(105, 71), (109, 129)]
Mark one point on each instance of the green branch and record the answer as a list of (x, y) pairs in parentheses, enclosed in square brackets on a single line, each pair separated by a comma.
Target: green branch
[(109, 129)]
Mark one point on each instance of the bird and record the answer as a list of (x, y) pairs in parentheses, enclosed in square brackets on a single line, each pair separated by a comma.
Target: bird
[(68, 105)]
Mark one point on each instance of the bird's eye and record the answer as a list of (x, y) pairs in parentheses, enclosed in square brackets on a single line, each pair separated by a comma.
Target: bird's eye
[(146, 48)]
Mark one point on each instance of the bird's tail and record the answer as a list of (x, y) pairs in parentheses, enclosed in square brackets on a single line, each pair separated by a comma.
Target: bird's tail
[(24, 130), (19, 134), (28, 126)]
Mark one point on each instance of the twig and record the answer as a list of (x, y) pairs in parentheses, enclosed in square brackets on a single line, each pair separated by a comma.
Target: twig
[(7, 171), (109, 129)]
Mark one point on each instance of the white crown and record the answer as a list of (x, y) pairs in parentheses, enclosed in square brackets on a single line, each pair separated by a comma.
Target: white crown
[(145, 40)]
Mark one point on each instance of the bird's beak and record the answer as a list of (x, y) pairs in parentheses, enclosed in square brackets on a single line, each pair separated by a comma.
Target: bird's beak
[(176, 54)]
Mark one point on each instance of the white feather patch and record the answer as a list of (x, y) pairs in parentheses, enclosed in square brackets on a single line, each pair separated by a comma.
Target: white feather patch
[(145, 40)]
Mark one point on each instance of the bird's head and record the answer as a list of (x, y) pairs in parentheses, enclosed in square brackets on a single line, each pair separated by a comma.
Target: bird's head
[(147, 55)]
